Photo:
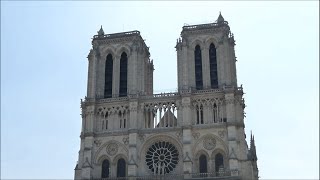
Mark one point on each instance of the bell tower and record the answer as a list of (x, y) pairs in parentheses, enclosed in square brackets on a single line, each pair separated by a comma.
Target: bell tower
[(119, 65), (206, 58)]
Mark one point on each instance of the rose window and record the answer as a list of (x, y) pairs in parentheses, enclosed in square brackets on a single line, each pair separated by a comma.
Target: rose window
[(162, 157)]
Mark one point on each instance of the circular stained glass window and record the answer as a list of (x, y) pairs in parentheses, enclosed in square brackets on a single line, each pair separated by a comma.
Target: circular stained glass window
[(162, 157)]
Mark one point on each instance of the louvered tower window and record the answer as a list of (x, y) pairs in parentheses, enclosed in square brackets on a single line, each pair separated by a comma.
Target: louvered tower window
[(213, 66), (123, 74), (198, 67), (108, 77)]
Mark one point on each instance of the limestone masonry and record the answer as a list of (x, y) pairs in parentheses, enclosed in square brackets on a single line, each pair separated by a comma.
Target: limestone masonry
[(195, 133)]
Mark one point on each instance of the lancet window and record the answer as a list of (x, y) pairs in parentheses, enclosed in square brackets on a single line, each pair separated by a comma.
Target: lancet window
[(219, 166), (123, 120), (108, 77), (213, 66), (105, 169), (199, 114), (198, 67), (121, 168), (203, 164), (215, 113), (104, 122), (123, 74)]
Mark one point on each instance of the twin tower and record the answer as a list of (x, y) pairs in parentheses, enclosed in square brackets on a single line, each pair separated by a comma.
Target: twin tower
[(196, 133)]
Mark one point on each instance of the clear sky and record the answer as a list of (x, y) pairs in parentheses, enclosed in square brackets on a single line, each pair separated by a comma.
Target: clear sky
[(44, 46)]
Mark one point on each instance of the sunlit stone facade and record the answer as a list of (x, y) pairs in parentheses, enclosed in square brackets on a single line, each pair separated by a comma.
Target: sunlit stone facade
[(197, 132)]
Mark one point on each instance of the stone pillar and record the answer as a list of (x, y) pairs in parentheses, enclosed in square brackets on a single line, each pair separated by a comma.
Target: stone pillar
[(132, 78), (100, 75), (191, 71), (132, 164), (91, 75), (187, 151), (186, 111), (180, 68), (205, 68), (116, 76), (232, 132), (221, 64)]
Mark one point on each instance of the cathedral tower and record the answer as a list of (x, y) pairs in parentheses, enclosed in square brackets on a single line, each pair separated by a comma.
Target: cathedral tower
[(197, 132)]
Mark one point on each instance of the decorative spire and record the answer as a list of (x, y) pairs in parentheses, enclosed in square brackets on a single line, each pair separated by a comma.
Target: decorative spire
[(253, 148), (101, 32), (220, 19)]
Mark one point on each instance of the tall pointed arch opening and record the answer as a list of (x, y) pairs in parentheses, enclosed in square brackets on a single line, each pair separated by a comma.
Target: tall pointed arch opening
[(108, 77), (213, 66), (198, 67), (219, 166), (105, 169), (123, 75), (203, 164), (121, 168)]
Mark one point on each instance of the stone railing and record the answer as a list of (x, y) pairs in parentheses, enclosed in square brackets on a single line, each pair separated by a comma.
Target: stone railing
[(203, 26), (116, 35), (226, 174)]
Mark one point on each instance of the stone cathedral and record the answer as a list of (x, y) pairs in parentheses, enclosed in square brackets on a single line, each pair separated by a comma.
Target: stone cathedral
[(195, 133)]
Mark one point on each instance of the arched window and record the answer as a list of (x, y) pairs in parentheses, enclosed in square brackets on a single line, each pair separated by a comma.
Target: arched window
[(105, 169), (213, 66), (203, 164), (121, 168), (123, 74), (215, 113), (198, 67), (199, 114), (108, 77), (218, 162)]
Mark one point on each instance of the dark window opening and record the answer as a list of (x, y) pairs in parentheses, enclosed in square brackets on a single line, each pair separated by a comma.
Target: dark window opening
[(215, 113), (105, 169), (121, 168), (213, 66), (218, 162), (123, 74), (198, 67), (203, 164), (108, 77), (200, 114)]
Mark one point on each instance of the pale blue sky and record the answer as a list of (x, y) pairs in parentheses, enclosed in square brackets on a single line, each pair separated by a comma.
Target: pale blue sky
[(44, 46)]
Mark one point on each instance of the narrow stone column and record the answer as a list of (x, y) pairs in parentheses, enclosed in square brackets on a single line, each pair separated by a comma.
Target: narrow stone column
[(132, 164), (205, 68), (116, 76)]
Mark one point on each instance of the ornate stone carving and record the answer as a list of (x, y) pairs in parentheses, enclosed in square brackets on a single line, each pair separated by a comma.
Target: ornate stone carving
[(162, 157), (209, 143), (230, 101), (179, 134), (196, 135), (142, 137), (125, 140), (112, 149), (221, 134), (97, 142)]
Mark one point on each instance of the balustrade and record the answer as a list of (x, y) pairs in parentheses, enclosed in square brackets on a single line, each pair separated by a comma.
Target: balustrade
[(225, 174)]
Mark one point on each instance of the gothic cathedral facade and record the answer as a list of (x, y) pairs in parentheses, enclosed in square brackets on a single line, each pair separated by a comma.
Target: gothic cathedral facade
[(195, 133)]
